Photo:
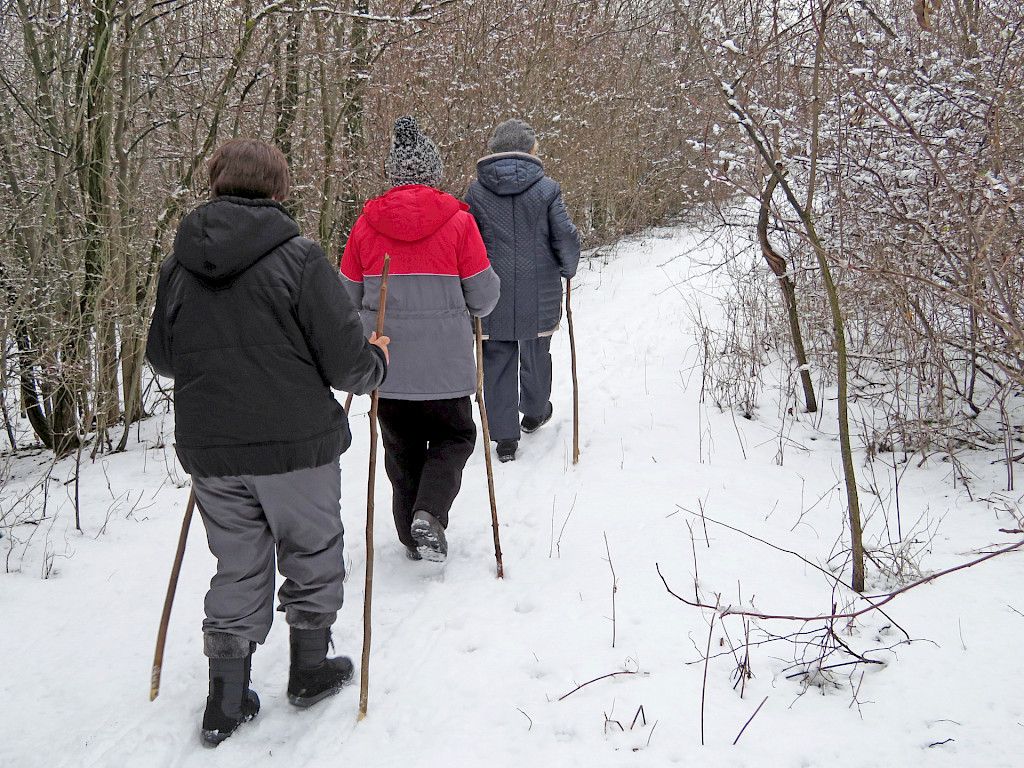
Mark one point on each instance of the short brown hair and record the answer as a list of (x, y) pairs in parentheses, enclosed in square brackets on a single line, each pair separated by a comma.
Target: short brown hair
[(248, 168)]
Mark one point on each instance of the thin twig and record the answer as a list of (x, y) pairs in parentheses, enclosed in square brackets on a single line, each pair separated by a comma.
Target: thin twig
[(558, 543), (615, 584), (651, 734), (696, 575), (704, 685), (597, 679), (749, 721)]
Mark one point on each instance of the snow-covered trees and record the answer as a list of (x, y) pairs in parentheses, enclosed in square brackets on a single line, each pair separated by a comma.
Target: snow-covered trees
[(908, 135), (110, 109), (905, 120)]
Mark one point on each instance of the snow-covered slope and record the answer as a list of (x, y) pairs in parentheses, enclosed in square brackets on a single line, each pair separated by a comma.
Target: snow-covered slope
[(467, 670)]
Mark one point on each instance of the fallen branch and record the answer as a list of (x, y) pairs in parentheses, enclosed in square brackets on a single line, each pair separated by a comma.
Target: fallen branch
[(882, 599), (836, 581)]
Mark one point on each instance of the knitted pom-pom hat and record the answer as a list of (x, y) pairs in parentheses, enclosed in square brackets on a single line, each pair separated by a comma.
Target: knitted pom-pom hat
[(413, 158)]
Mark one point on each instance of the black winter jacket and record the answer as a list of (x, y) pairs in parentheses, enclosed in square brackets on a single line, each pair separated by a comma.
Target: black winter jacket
[(255, 328), (531, 242)]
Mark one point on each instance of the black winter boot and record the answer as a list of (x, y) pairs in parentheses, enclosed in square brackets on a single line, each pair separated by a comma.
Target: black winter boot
[(530, 424), (231, 702), (312, 676), (507, 450)]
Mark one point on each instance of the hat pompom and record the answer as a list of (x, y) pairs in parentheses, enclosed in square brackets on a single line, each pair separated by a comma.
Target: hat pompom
[(407, 131)]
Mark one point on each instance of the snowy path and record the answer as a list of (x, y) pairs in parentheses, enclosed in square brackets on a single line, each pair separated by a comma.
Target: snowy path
[(467, 670)]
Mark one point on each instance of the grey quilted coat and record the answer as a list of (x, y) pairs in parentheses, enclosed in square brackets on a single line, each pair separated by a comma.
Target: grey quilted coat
[(531, 243)]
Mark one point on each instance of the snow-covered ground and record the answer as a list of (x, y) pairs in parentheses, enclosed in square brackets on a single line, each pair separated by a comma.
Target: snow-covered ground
[(468, 670)]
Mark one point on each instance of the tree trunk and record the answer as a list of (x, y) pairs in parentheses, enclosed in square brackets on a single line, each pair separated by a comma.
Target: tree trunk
[(31, 402), (778, 265), (355, 85)]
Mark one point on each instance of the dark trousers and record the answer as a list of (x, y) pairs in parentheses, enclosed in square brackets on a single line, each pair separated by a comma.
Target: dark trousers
[(517, 379), (426, 446)]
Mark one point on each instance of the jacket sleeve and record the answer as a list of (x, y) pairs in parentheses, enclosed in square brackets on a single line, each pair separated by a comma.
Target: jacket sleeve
[(333, 330), (352, 269), (480, 284), (158, 343), (565, 239)]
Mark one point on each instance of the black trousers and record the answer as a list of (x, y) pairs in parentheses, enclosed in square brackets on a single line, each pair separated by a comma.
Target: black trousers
[(426, 446)]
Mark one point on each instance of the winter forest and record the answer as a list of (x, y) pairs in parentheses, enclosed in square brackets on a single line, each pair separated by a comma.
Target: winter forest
[(794, 530)]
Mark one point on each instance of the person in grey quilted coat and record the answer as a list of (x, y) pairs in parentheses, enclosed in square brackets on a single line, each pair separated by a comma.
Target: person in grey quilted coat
[(532, 244)]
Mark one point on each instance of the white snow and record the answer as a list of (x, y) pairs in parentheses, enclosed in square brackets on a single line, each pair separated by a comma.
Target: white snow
[(467, 670)]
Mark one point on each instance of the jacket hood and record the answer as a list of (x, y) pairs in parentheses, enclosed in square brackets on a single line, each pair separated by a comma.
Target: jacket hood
[(411, 212), (509, 173), (224, 237)]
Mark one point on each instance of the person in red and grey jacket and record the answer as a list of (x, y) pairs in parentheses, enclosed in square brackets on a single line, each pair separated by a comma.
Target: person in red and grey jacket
[(439, 276)]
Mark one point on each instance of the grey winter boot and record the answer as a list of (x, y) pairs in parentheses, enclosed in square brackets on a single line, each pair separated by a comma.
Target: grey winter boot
[(429, 536)]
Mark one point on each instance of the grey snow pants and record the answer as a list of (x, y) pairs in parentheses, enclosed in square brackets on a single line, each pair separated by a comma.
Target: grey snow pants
[(247, 518), (517, 379)]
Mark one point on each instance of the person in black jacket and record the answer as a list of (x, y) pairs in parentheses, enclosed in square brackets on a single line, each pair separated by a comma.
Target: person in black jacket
[(532, 245), (255, 328)]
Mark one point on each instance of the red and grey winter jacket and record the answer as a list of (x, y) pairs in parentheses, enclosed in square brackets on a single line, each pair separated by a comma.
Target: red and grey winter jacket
[(439, 276)]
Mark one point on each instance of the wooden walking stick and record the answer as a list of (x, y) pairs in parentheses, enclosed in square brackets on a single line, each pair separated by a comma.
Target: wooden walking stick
[(364, 668), (478, 327), (575, 381), (161, 635)]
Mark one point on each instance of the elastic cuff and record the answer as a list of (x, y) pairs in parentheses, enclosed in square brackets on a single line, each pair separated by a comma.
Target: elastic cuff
[(383, 361)]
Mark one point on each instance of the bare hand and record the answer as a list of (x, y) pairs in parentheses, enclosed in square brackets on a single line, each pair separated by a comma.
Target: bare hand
[(382, 342)]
